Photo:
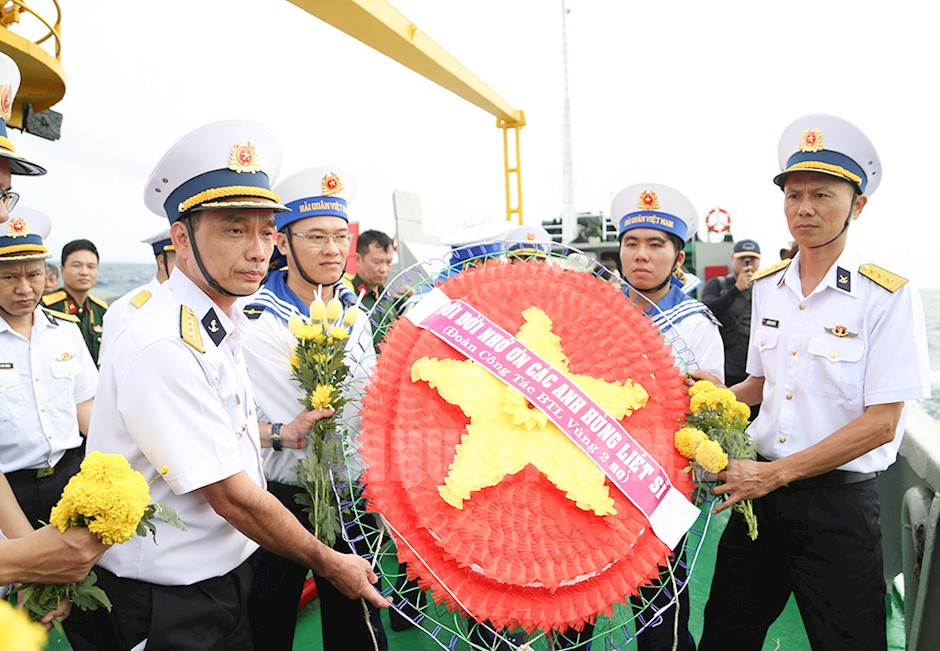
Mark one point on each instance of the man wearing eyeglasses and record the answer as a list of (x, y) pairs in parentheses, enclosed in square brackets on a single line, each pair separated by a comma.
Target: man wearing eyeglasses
[(10, 161), (314, 240)]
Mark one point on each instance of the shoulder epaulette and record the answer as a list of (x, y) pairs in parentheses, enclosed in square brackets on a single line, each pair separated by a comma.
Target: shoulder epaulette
[(253, 310), (140, 298), (772, 269), (97, 301), (54, 297), (347, 280), (890, 281), (189, 329), (61, 315)]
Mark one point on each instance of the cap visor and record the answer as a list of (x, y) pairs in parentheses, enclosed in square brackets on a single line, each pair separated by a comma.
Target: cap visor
[(781, 178), (746, 254), (25, 256), (21, 166)]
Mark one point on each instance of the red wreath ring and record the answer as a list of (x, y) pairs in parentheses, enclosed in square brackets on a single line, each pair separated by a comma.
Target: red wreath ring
[(508, 556)]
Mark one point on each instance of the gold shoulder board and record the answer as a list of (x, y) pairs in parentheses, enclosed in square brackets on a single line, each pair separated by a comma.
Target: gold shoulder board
[(772, 269), (890, 281), (189, 329), (62, 315), (54, 297), (141, 298), (98, 301)]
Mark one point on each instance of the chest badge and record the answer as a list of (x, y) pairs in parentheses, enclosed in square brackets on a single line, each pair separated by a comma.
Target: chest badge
[(840, 331), (64, 357)]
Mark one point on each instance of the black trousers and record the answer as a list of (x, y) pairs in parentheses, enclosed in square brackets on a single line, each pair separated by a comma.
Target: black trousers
[(661, 632), (275, 595), (207, 616), (37, 495), (821, 544)]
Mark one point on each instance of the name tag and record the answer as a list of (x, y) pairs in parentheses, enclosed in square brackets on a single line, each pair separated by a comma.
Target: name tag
[(770, 323), (6, 366)]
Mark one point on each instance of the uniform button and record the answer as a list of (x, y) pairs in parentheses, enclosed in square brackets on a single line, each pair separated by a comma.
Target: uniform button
[(833, 354), (244, 427), (763, 343), (789, 396), (782, 439), (42, 409), (793, 351), (37, 378), (802, 306), (250, 411), (49, 436)]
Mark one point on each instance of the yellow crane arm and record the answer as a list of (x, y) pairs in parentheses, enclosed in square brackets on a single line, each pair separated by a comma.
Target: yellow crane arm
[(383, 28)]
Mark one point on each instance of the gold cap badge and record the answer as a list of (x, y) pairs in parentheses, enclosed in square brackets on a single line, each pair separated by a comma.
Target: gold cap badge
[(17, 227), (331, 184), (648, 201), (244, 158), (6, 102), (812, 140)]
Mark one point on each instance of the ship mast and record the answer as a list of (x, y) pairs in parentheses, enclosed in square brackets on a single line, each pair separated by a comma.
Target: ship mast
[(569, 224)]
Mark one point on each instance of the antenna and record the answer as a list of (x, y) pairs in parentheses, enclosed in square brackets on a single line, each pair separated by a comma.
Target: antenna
[(569, 225)]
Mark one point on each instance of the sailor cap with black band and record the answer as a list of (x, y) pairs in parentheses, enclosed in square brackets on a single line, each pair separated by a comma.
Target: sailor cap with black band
[(9, 84), (159, 242), (829, 145), (656, 206), (22, 237), (228, 164)]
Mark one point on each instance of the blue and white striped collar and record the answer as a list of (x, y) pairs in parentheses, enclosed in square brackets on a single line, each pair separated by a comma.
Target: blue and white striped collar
[(276, 296)]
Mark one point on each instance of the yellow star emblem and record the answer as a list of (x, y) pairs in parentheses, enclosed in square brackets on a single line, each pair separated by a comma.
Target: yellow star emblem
[(506, 432)]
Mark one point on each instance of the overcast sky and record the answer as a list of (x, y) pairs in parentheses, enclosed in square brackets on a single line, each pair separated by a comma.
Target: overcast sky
[(689, 94)]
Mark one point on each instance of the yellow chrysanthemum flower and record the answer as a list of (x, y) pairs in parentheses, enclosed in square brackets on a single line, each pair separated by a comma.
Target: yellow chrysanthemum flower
[(17, 632), (710, 456), (321, 396), (309, 332), (317, 310), (107, 496), (295, 361), (700, 387), (350, 317), (334, 310), (339, 333), (687, 440), (742, 410)]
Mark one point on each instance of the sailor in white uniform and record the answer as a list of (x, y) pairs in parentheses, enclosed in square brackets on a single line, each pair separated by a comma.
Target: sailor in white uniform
[(654, 223), (314, 240), (175, 398), (47, 376), (837, 347), (121, 309)]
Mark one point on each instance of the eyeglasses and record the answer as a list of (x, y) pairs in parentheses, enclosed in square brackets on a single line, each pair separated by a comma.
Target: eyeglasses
[(8, 199), (319, 240)]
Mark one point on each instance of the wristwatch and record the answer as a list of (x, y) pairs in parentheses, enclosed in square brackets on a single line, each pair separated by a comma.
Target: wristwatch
[(276, 436)]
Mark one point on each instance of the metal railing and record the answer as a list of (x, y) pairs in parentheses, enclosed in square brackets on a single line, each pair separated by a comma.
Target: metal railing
[(13, 11), (910, 520)]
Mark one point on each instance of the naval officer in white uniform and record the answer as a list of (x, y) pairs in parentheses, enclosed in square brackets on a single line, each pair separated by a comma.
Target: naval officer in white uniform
[(176, 397)]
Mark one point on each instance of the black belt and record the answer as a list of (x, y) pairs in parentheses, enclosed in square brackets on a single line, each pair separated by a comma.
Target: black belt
[(36, 474), (829, 479)]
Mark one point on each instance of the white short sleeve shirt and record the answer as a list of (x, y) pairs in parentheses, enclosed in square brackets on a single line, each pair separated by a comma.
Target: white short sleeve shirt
[(827, 356), (42, 379), (164, 403)]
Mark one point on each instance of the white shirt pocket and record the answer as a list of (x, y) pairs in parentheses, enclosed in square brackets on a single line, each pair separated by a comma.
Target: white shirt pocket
[(11, 396), (836, 368)]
